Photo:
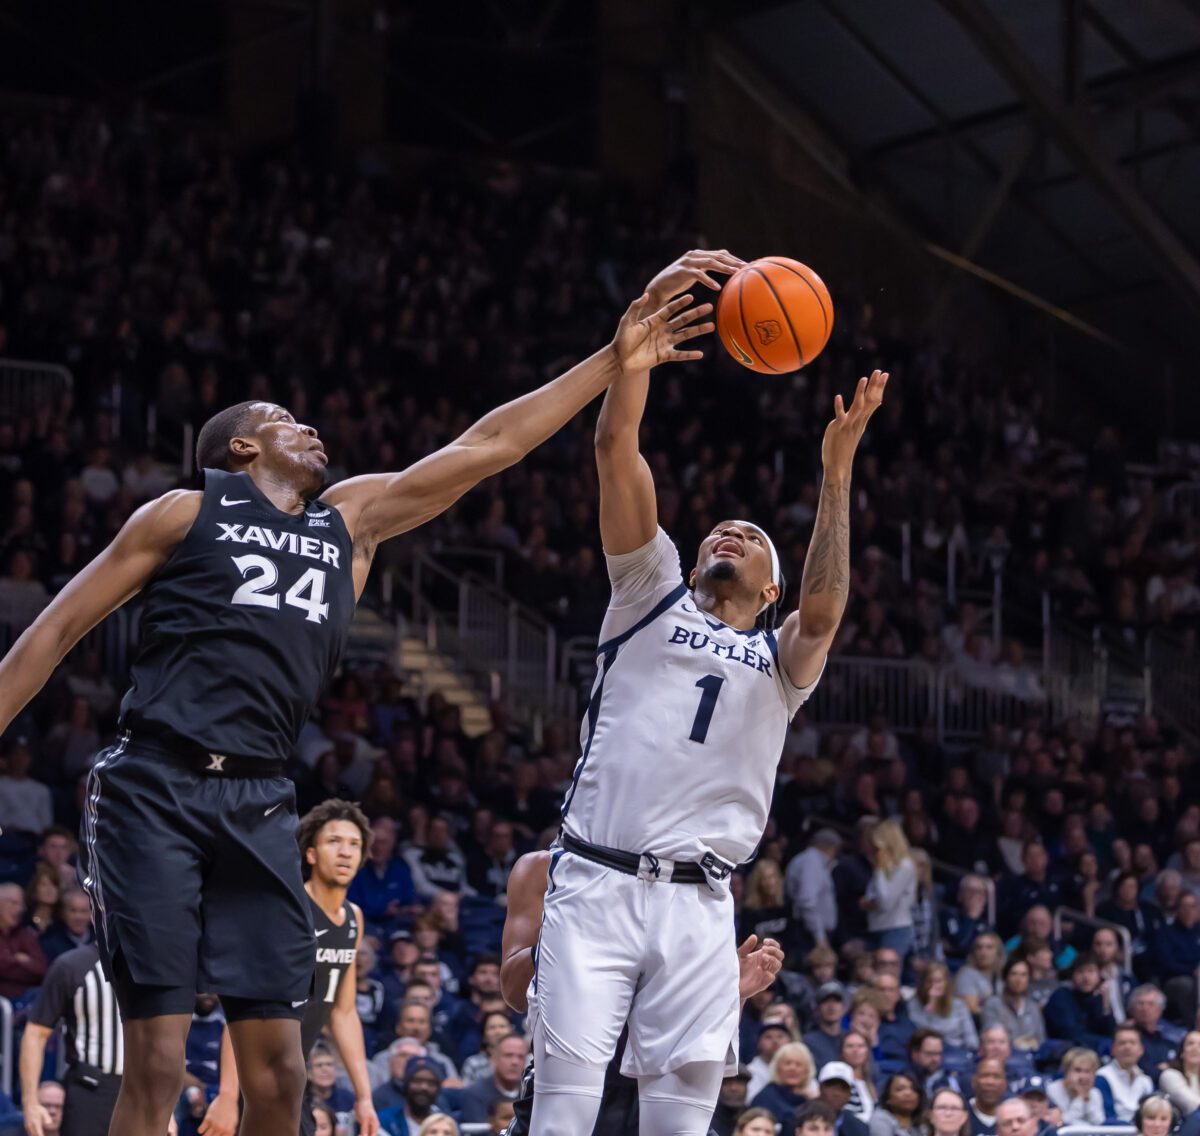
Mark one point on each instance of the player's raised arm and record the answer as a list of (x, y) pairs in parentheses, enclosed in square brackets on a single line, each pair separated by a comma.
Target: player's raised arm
[(378, 506), (527, 884), (628, 510), (808, 632), (115, 576)]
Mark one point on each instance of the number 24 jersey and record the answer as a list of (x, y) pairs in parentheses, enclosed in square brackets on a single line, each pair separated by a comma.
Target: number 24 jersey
[(244, 624)]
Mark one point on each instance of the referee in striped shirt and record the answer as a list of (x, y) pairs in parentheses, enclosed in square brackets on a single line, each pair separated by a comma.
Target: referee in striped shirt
[(76, 994)]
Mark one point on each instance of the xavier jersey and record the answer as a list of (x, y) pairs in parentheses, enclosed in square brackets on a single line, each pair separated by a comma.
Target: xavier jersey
[(336, 948), (243, 625), (685, 724)]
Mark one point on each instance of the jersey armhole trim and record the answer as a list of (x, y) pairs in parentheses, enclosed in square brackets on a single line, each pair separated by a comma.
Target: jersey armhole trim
[(669, 600)]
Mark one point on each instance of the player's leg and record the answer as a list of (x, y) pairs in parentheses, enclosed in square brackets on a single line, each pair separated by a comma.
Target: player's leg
[(684, 1020), (153, 1079), (680, 1103), (141, 864), (270, 1068), (588, 958), (258, 948)]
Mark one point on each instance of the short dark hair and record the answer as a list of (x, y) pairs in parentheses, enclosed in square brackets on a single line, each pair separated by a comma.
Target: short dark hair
[(920, 1036), (1084, 958), (55, 830), (325, 813), (1128, 1027), (495, 1105), (818, 1110), (484, 959), (212, 446), (1016, 960)]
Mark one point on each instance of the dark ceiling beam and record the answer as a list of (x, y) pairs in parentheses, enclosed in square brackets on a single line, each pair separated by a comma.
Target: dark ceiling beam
[(1074, 137), (1125, 86), (1131, 160), (829, 153), (1126, 50), (1072, 44), (981, 158)]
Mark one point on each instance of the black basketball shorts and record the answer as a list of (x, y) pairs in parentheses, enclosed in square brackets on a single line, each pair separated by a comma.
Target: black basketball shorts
[(195, 885)]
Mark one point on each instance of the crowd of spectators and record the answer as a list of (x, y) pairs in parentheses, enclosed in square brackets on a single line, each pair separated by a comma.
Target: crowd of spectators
[(169, 273)]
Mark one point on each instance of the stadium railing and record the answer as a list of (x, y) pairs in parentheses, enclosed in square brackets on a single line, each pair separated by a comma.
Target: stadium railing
[(510, 649), (1076, 916), (6, 1046), (1097, 1130), (26, 387)]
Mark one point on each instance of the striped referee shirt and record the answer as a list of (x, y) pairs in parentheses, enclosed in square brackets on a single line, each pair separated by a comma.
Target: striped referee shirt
[(77, 994)]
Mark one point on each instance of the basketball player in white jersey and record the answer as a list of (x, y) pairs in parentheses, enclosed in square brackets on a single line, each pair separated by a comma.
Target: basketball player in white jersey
[(692, 699)]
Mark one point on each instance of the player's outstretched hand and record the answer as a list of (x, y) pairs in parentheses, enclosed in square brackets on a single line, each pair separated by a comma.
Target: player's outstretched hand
[(364, 1113), (695, 267), (645, 338), (758, 967), (842, 435), (221, 1119)]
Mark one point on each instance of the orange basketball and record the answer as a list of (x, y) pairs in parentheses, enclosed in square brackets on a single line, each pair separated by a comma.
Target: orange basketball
[(774, 315)]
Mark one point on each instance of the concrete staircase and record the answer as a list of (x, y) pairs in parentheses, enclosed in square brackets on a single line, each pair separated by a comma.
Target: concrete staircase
[(424, 670)]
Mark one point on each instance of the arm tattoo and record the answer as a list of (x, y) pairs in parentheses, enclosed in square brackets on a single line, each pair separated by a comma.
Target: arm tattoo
[(829, 558)]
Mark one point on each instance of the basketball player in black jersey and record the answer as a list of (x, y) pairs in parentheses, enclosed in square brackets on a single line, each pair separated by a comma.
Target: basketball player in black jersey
[(333, 839), (248, 588), (619, 1113)]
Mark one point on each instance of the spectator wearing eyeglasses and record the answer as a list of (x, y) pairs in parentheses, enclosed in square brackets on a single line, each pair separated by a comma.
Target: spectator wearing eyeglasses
[(948, 1114), (1014, 1117)]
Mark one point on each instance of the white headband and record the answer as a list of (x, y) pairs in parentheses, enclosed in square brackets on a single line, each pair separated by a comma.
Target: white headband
[(776, 575)]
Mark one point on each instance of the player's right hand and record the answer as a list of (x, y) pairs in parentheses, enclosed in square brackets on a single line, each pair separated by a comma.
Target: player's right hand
[(37, 1120), (221, 1119), (695, 267), (645, 338)]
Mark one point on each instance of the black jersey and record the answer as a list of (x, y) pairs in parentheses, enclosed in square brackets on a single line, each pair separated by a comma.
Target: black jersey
[(336, 948), (243, 625)]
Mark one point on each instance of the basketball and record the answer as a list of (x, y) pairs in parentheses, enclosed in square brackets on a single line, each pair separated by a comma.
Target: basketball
[(774, 315)]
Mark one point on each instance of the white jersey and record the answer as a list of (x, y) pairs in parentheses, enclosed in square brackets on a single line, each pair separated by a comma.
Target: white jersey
[(685, 725)]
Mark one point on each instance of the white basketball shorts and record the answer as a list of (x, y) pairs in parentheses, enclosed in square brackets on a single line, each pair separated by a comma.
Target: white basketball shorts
[(617, 948)]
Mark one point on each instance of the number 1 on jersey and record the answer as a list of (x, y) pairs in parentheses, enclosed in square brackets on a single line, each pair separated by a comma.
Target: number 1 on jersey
[(711, 685), (335, 976)]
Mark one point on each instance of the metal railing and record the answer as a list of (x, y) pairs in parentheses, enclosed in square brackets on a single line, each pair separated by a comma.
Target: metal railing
[(509, 649), (911, 693), (1173, 675), (27, 387), (6, 1046), (1076, 916), (1184, 495)]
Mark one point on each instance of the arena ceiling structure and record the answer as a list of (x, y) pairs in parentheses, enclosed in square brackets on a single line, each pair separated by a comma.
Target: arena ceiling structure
[(1050, 146)]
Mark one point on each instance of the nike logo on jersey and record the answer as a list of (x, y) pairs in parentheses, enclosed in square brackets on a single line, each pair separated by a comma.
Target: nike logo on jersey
[(297, 1005), (320, 933), (271, 809), (225, 501)]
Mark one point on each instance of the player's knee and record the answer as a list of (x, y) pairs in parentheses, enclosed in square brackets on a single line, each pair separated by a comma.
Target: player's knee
[(277, 1078), (154, 1064)]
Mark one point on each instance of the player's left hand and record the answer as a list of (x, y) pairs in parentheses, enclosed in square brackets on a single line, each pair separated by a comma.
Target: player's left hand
[(695, 267), (645, 338), (758, 967), (364, 1113), (843, 434), (221, 1119)]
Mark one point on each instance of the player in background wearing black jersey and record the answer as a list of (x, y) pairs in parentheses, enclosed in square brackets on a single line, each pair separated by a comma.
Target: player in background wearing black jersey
[(248, 589), (619, 1113), (333, 838)]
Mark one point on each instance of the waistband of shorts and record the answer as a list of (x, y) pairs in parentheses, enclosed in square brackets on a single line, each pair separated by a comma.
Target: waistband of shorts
[(648, 866), (188, 755)]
